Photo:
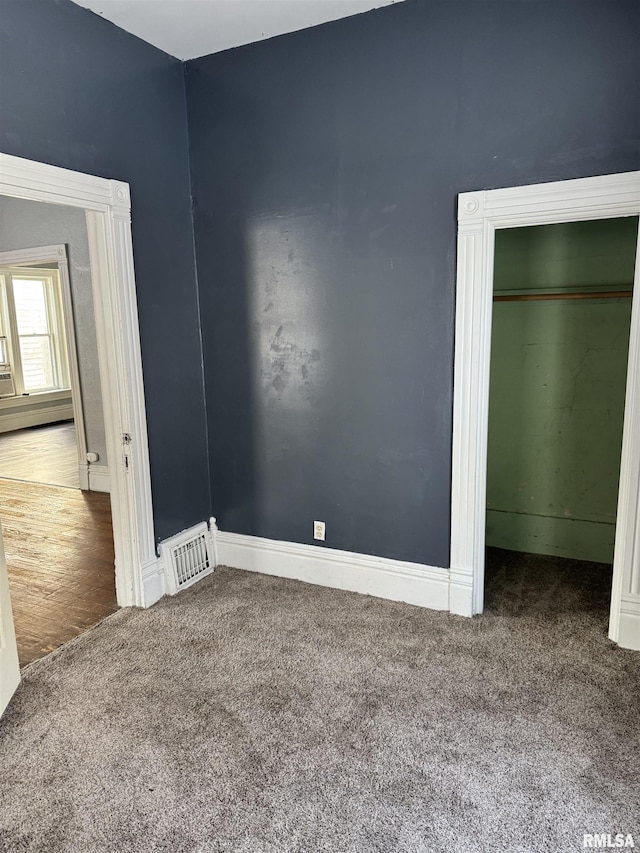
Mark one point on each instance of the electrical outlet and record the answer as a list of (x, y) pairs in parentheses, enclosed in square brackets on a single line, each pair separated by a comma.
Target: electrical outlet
[(318, 530)]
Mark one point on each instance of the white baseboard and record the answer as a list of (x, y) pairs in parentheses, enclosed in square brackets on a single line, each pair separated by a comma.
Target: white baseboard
[(460, 592), (412, 583), (35, 417), (153, 587), (629, 628), (99, 479), (83, 477)]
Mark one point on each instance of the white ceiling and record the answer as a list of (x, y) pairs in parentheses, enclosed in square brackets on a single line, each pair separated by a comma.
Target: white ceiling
[(190, 28)]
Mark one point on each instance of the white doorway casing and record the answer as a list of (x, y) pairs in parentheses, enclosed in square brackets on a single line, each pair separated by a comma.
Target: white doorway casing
[(9, 667), (480, 214), (139, 574)]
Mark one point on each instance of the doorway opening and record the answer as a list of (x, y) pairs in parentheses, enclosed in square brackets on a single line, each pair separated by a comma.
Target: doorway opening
[(480, 216), (48, 343), (58, 539), (562, 301), (107, 207)]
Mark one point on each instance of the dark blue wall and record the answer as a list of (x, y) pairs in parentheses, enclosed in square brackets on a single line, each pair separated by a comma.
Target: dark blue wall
[(325, 170), (77, 92)]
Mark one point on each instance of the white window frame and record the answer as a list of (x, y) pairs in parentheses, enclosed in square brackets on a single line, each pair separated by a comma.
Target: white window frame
[(55, 322), (56, 257)]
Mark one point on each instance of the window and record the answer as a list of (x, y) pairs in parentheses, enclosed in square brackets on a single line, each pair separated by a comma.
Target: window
[(32, 342)]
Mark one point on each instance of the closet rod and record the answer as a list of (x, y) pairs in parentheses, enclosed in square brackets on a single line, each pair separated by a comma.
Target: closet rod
[(536, 297)]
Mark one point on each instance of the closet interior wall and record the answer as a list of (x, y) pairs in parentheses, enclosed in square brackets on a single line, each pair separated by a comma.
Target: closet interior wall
[(560, 338)]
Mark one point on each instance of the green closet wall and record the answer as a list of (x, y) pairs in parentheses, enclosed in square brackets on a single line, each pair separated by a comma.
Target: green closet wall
[(558, 374)]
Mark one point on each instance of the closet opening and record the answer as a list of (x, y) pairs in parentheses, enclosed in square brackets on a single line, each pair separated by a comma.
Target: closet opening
[(561, 318)]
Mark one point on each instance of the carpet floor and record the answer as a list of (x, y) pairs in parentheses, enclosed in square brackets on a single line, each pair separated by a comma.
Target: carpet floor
[(262, 715)]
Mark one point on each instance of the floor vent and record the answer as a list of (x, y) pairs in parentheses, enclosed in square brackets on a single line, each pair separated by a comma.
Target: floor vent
[(188, 557)]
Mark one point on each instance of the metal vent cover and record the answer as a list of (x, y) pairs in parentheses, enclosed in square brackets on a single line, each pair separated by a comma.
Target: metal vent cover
[(188, 557)]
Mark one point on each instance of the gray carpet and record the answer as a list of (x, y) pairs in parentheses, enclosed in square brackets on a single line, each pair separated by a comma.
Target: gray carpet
[(262, 715)]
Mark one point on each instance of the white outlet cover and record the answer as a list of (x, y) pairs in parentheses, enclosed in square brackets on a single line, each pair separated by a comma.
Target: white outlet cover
[(318, 530)]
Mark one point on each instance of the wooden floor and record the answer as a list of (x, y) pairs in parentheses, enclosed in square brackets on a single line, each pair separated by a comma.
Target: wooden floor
[(59, 547), (44, 454)]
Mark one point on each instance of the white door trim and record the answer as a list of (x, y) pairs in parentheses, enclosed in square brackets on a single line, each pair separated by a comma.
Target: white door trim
[(58, 255), (9, 666), (480, 214), (108, 211)]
